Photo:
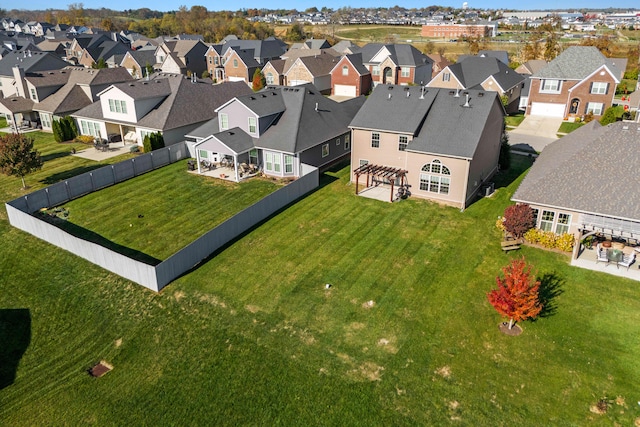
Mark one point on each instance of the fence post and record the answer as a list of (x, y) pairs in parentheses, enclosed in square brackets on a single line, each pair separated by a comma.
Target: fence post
[(152, 165), (66, 185), (46, 190), (93, 185), (113, 172)]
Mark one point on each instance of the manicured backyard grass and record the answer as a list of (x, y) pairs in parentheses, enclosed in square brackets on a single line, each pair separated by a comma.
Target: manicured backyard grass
[(405, 335), (160, 212)]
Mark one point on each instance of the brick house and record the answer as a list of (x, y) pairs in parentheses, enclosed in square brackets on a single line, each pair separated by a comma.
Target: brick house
[(580, 80), (349, 77), (396, 64)]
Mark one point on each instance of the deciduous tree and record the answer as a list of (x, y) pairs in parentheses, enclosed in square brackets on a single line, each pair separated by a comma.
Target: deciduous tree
[(518, 219), (17, 156), (259, 80), (517, 296)]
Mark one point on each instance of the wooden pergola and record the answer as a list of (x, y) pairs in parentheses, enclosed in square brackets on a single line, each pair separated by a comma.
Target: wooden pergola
[(381, 173)]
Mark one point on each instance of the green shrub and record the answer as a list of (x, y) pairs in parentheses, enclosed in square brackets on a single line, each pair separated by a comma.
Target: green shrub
[(57, 131), (146, 144)]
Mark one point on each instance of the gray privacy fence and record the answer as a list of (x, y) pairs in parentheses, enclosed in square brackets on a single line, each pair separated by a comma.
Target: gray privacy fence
[(155, 277)]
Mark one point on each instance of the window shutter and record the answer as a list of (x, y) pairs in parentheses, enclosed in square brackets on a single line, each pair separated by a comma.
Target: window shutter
[(606, 91), (591, 87)]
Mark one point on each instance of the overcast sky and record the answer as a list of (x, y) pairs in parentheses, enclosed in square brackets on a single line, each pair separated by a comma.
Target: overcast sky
[(166, 5)]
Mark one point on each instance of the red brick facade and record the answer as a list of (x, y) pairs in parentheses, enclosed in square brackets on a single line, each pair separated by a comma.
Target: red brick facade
[(454, 31), (352, 78)]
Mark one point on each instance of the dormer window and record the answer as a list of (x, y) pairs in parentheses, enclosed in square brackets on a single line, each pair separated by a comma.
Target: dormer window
[(117, 106), (252, 125)]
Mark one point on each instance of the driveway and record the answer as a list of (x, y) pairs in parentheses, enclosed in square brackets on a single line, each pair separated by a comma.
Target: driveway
[(535, 132)]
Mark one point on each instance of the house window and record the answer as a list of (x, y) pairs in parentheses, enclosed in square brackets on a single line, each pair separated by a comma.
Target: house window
[(405, 72), (345, 70), (253, 157), (375, 70), (288, 163), (272, 162), (599, 88), (117, 106), (46, 120), (562, 225), (364, 162), (90, 128), (347, 142), (33, 94), (550, 86), (375, 140), (252, 125), (446, 77), (204, 154), (215, 60), (235, 63), (595, 108), (224, 121), (403, 140), (535, 216), (269, 78), (546, 222), (435, 178), (325, 150), (337, 141)]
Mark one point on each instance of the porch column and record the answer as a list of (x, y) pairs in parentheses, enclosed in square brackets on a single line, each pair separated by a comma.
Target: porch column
[(198, 159), (235, 166), (576, 246)]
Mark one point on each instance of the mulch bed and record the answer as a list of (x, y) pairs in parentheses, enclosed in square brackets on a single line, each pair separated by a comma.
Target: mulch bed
[(515, 330), (99, 369)]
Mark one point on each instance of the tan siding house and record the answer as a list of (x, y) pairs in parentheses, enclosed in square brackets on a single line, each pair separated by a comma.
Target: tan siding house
[(422, 137)]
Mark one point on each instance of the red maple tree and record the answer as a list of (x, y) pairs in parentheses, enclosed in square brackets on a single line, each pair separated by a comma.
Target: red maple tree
[(517, 295)]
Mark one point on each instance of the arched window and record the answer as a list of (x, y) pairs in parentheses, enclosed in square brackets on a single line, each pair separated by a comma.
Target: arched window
[(269, 78), (345, 70), (435, 178)]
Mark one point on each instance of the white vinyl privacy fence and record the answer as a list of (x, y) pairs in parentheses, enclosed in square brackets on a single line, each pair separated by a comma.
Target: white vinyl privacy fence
[(20, 212)]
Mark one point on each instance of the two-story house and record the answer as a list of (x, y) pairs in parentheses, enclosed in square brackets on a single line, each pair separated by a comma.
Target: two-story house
[(280, 129), (486, 72), (580, 80), (181, 57), (444, 143), (88, 49), (171, 104), (349, 77), (400, 64)]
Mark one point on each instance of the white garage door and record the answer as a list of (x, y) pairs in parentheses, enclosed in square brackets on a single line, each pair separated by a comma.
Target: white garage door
[(547, 109), (344, 90), (236, 79)]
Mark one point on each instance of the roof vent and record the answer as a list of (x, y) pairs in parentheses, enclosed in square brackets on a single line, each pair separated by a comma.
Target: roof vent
[(466, 102), (390, 87), (457, 95), (408, 93), (131, 84), (231, 133), (451, 92), (144, 83), (625, 127), (480, 94), (406, 88), (316, 107), (389, 96), (252, 98)]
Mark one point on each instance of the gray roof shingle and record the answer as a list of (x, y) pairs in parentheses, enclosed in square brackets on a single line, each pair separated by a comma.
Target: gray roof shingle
[(437, 119), (576, 63), (591, 170)]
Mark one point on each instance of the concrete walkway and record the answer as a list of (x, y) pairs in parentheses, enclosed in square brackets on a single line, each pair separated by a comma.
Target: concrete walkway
[(535, 132)]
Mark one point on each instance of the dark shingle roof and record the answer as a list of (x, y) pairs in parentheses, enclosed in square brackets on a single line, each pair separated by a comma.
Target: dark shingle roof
[(591, 170), (436, 118), (473, 70), (302, 125), (17, 104), (576, 63), (37, 61), (184, 102)]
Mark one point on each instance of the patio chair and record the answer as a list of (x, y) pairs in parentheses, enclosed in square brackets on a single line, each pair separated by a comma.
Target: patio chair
[(627, 260), (602, 254)]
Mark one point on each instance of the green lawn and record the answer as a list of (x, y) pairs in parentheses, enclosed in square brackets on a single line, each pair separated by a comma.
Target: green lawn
[(568, 127), (405, 336), (160, 212), (514, 120)]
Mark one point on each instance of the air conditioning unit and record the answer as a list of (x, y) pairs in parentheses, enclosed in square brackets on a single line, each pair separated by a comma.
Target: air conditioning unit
[(489, 188)]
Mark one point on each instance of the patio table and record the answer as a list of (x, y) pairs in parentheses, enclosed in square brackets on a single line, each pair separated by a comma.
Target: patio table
[(614, 255)]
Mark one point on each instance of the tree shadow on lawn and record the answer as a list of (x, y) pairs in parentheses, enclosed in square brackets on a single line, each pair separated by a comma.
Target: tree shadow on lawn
[(93, 237), (550, 287), (53, 156), (15, 336)]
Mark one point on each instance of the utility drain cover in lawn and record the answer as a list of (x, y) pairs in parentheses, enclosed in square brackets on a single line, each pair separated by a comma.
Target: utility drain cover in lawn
[(99, 369)]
